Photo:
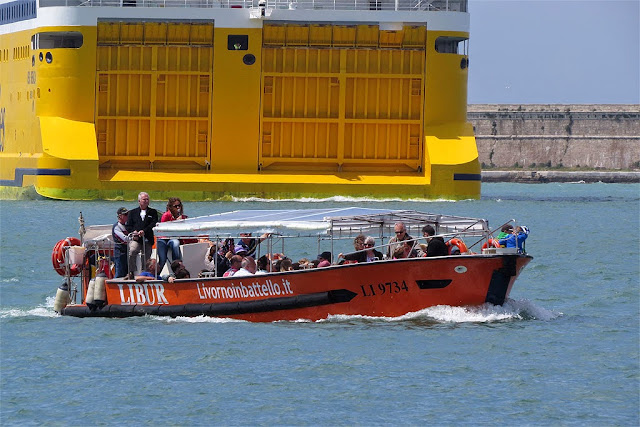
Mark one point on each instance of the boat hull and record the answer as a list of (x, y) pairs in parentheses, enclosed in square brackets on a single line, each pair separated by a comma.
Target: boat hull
[(380, 289)]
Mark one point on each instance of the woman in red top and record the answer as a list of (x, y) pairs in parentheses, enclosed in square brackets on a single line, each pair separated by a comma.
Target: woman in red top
[(174, 211)]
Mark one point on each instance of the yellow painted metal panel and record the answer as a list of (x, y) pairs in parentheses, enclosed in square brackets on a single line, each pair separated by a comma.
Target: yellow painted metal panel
[(178, 33), (131, 33), (274, 35), (414, 37), (201, 34), (391, 38), (367, 35), (353, 105), (108, 32), (297, 35), (153, 99), (344, 35), (320, 35), (155, 32)]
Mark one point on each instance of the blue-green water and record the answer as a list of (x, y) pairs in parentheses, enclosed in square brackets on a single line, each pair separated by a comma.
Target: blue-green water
[(563, 350)]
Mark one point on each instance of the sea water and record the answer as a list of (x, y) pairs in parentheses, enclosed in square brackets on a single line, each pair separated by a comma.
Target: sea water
[(564, 349)]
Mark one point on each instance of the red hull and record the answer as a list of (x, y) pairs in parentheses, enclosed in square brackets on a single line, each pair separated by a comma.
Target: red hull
[(385, 288)]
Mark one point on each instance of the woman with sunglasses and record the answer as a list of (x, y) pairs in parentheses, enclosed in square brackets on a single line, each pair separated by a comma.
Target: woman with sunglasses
[(174, 212)]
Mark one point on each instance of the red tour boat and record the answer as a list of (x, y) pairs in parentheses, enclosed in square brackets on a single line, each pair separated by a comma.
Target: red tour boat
[(382, 287)]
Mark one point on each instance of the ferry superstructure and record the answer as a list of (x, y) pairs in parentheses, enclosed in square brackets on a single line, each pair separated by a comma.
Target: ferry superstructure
[(208, 99)]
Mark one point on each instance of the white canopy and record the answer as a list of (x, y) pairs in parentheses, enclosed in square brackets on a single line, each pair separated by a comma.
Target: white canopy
[(351, 220)]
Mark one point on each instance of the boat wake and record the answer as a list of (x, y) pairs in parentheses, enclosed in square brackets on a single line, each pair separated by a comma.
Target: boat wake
[(511, 310), (339, 199), (44, 310)]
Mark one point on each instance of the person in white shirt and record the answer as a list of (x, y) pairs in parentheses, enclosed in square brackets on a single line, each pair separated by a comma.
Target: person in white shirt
[(248, 267)]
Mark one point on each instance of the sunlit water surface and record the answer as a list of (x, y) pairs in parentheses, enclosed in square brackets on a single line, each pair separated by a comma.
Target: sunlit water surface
[(563, 350)]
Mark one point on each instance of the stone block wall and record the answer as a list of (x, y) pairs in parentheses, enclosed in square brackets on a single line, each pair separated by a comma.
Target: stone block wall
[(558, 136)]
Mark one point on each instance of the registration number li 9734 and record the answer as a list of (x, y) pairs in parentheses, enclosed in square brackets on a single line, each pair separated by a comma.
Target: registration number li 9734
[(388, 288)]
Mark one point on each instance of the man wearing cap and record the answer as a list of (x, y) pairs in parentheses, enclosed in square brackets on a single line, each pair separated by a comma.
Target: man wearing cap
[(140, 225), (250, 244), (240, 250), (120, 239)]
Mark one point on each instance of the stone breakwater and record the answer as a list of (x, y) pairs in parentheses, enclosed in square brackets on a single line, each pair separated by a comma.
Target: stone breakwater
[(534, 137), (530, 176)]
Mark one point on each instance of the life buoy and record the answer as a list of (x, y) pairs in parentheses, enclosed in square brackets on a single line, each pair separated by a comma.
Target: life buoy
[(458, 243), (58, 253), (493, 243)]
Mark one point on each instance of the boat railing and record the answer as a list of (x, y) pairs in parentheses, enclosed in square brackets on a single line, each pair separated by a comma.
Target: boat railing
[(374, 5)]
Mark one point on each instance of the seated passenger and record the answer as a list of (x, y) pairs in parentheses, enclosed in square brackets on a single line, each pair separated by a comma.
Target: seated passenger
[(248, 267), (263, 265), (235, 265), (407, 250), (304, 263), (516, 240), (400, 231), (505, 231), (286, 265), (398, 253), (435, 245), (371, 254), (178, 265), (324, 259), (181, 273), (164, 245), (150, 270), (216, 259), (358, 245), (241, 250)]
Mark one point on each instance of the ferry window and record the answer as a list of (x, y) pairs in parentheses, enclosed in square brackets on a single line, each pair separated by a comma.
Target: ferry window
[(239, 42), (457, 45), (55, 40)]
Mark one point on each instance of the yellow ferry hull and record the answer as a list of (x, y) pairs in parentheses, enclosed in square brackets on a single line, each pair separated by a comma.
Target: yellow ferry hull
[(234, 106)]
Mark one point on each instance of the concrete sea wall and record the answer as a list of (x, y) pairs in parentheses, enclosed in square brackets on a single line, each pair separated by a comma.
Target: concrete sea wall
[(533, 137)]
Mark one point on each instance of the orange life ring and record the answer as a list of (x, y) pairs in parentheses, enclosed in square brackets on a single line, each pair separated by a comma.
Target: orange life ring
[(459, 243), (57, 256), (493, 243)]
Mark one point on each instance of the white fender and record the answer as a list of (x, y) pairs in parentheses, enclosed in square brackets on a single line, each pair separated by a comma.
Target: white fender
[(99, 290), (62, 298), (88, 299)]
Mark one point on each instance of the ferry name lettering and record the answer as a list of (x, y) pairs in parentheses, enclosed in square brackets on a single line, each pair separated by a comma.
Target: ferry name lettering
[(31, 77), (240, 290), (372, 290), (142, 293)]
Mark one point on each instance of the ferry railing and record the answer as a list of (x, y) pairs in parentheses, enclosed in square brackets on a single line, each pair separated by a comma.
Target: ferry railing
[(376, 5)]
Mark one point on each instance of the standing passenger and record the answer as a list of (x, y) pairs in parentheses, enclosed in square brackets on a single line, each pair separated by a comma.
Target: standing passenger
[(250, 244), (140, 225), (120, 238)]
